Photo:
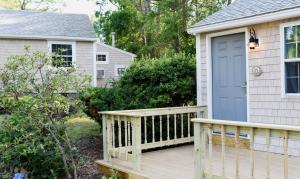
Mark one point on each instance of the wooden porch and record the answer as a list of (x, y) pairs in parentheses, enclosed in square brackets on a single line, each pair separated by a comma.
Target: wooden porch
[(158, 143), (178, 163)]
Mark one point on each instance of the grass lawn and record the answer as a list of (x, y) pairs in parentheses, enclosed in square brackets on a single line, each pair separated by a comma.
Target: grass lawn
[(80, 127)]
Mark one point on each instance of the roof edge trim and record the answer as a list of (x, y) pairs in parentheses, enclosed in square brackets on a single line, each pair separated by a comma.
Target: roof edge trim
[(37, 37), (279, 15), (117, 49)]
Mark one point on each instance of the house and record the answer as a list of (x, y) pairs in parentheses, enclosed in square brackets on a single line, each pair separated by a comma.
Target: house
[(44, 31), (248, 63), (110, 63)]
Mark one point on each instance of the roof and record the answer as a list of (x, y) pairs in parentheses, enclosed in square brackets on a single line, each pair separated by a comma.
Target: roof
[(117, 49), (244, 9), (15, 23)]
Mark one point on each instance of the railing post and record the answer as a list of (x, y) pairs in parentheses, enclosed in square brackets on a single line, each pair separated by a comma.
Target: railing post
[(104, 135), (136, 142), (199, 142)]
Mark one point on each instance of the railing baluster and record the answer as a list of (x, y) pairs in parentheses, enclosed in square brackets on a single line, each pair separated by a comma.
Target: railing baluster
[(210, 151), (120, 135), (126, 138), (189, 125), (268, 142), (129, 132), (153, 130), (181, 125), (237, 154), (168, 126), (285, 146), (175, 127), (145, 129), (160, 127), (223, 150), (252, 153)]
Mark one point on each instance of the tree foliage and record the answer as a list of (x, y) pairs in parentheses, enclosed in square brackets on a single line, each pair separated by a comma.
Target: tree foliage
[(154, 27), (33, 136), (148, 83)]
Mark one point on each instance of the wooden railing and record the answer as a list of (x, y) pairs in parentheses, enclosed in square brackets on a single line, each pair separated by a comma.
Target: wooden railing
[(204, 129), (127, 133)]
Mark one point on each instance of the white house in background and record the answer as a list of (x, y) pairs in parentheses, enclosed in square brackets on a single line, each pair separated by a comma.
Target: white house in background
[(44, 31), (248, 63), (110, 63)]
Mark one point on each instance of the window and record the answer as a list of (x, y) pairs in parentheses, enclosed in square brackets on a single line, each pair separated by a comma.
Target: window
[(63, 54), (291, 59), (119, 70), (100, 73), (102, 58)]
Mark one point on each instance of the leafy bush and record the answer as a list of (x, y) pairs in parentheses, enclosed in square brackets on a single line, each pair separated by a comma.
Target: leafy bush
[(161, 82), (33, 137), (28, 146), (101, 99)]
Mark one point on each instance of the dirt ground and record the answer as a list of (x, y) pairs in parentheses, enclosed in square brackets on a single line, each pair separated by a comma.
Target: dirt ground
[(90, 149)]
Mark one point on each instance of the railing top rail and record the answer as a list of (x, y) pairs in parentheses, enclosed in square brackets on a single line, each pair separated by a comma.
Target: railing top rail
[(248, 124), (154, 111), (118, 113)]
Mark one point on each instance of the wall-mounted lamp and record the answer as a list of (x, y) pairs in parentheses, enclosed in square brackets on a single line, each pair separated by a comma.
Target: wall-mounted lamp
[(253, 41)]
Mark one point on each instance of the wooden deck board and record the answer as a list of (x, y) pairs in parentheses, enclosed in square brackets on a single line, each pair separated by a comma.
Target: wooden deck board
[(178, 163)]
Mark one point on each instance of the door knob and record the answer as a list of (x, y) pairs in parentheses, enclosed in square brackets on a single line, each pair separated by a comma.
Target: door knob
[(244, 85)]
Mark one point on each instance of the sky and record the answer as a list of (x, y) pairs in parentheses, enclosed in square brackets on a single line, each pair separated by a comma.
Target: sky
[(83, 7)]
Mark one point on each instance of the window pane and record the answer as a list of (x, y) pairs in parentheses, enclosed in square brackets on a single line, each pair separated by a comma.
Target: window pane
[(292, 69), (290, 34), (292, 85), (120, 71), (68, 61), (292, 77), (298, 33), (298, 49), (101, 58), (100, 72), (290, 50)]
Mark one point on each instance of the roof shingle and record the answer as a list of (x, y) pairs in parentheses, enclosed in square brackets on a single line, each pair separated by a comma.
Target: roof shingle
[(247, 8), (28, 23)]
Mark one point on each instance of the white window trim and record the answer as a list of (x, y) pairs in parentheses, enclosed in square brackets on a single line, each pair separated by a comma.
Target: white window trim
[(116, 69), (74, 54), (283, 60), (97, 73), (103, 53)]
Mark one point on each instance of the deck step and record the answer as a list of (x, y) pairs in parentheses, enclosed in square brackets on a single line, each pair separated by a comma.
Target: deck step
[(108, 168)]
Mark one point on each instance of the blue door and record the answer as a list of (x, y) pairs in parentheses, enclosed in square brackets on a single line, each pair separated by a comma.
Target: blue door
[(229, 83)]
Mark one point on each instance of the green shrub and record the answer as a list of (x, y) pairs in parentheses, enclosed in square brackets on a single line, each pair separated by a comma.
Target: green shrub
[(162, 82), (101, 99), (27, 146), (33, 136), (149, 83)]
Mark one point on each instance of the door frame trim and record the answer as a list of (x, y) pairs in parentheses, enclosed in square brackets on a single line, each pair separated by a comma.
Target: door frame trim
[(209, 36)]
